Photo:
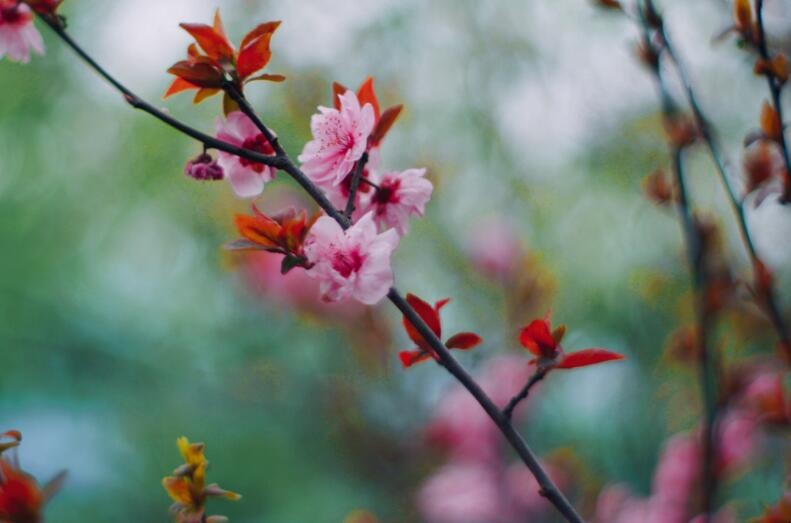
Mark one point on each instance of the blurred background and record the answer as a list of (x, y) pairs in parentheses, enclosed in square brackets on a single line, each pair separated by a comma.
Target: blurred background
[(123, 324)]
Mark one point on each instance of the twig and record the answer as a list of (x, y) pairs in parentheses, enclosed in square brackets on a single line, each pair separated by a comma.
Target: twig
[(357, 176), (775, 87), (281, 161), (539, 375), (708, 133), (697, 268)]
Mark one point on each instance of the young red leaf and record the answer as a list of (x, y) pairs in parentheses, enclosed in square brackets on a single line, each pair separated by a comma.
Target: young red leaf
[(463, 341), (337, 90), (214, 44), (537, 338), (367, 95), (218, 27), (412, 357), (441, 303), (587, 357), (260, 30), (179, 85), (254, 56), (384, 124), (267, 77), (428, 314), (199, 73), (203, 93)]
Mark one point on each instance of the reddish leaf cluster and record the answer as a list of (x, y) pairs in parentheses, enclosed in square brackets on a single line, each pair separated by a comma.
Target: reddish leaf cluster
[(212, 60), (544, 343), (44, 7), (283, 233), (383, 121), (430, 315), (21, 498)]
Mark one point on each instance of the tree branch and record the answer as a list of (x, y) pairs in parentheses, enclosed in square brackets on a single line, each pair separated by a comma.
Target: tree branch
[(771, 304), (357, 176), (775, 87), (698, 272), (281, 161), (539, 375)]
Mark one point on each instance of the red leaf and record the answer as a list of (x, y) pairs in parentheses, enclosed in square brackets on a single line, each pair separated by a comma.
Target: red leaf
[(268, 78), (337, 90), (428, 314), (463, 341), (538, 339), (413, 357), (254, 56), (259, 30), (203, 93), (198, 72), (214, 44), (385, 123), (587, 357), (367, 95), (179, 85), (441, 303), (218, 27)]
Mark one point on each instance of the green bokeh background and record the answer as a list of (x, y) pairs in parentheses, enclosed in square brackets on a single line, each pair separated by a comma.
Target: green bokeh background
[(123, 325)]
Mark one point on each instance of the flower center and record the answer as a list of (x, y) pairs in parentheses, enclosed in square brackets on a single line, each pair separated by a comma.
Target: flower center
[(10, 14), (347, 262), (387, 192), (259, 144)]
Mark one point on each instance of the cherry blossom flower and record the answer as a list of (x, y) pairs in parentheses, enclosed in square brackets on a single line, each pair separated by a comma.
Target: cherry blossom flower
[(462, 493), (18, 34), (351, 264), (340, 138), (247, 178), (398, 196)]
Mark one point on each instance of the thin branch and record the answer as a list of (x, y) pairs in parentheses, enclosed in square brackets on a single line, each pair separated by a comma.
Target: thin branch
[(708, 132), (697, 267), (281, 161), (357, 175), (775, 87), (537, 376)]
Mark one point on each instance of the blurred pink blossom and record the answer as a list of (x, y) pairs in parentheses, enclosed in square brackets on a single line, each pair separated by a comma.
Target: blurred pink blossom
[(247, 178), (351, 264), (495, 249), (18, 34), (463, 493)]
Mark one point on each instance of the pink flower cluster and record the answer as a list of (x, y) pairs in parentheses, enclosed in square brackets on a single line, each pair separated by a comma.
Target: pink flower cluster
[(18, 34), (340, 139)]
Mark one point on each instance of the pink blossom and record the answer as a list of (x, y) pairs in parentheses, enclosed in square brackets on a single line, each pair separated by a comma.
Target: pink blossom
[(462, 493), (399, 195), (18, 34), (338, 195), (678, 470), (738, 439), (495, 249), (204, 167), (340, 137), (351, 264), (247, 178)]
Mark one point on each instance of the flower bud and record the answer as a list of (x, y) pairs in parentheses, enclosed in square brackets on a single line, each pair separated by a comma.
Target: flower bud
[(204, 167)]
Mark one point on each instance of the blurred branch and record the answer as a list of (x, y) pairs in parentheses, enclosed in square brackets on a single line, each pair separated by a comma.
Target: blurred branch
[(282, 161), (775, 88), (771, 304), (697, 266)]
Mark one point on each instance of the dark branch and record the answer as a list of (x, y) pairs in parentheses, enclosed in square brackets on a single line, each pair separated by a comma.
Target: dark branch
[(771, 303), (281, 161), (357, 176), (539, 375)]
